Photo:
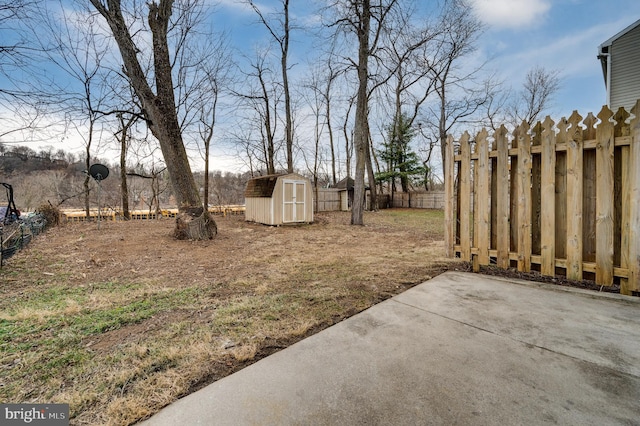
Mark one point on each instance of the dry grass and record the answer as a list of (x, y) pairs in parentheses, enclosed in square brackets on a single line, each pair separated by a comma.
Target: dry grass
[(121, 321)]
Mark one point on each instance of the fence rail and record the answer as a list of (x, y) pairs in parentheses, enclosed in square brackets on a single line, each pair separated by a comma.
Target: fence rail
[(562, 199)]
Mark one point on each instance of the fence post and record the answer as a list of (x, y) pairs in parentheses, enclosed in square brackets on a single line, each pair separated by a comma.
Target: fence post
[(481, 217), (450, 199), (548, 199), (574, 198), (502, 198), (465, 198), (604, 198), (561, 190), (622, 203), (524, 197), (634, 195)]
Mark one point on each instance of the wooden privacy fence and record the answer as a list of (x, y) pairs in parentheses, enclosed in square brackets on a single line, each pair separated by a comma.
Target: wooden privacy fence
[(419, 200), (561, 199)]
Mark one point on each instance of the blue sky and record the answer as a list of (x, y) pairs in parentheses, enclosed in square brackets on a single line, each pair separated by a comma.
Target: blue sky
[(561, 35), (558, 35)]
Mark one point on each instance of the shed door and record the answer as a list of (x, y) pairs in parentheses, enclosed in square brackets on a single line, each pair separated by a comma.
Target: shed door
[(294, 201)]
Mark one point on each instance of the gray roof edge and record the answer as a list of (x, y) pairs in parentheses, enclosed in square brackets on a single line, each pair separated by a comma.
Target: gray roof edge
[(610, 40)]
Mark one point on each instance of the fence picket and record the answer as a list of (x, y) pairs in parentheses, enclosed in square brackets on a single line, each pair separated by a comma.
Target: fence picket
[(548, 199), (625, 211), (513, 196), (604, 198), (536, 205), (502, 198), (524, 198), (574, 198), (465, 197), (561, 191), (481, 215), (634, 196)]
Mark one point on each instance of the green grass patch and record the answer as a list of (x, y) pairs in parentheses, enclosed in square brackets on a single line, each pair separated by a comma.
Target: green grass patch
[(422, 220)]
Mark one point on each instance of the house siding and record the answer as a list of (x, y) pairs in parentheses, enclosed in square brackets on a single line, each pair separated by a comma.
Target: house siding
[(625, 70)]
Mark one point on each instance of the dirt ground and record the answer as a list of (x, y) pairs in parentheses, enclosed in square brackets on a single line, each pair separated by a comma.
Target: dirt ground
[(121, 319), (145, 251), (130, 319), (245, 252)]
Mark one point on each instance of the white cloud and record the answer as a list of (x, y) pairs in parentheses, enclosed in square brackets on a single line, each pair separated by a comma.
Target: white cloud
[(510, 13), (241, 7), (574, 53)]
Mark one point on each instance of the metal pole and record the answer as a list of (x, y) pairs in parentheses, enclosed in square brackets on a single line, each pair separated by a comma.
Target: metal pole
[(98, 180)]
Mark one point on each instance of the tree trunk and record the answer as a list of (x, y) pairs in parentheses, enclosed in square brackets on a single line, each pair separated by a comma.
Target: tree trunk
[(87, 178), (285, 83), (327, 98), (373, 190), (205, 195), (442, 128), (360, 137), (124, 188), (160, 111)]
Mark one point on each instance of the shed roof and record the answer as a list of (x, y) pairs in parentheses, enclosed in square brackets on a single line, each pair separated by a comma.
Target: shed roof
[(346, 183), (261, 186)]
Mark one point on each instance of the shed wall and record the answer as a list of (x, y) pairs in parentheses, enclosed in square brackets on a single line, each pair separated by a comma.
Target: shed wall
[(258, 209), (344, 201), (277, 199)]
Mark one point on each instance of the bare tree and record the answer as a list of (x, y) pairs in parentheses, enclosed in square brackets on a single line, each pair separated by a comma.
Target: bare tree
[(159, 106), (347, 133), (124, 137), (262, 99), (69, 42), (458, 98), (213, 76), (24, 105), (366, 20), (15, 49), (331, 76), (495, 109), (154, 175), (322, 83), (280, 30), (315, 100), (408, 84), (537, 93)]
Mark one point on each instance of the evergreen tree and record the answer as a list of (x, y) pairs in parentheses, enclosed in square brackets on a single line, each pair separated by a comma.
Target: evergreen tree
[(402, 163)]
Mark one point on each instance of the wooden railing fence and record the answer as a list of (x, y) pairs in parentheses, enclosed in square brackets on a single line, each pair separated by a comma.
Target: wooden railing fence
[(562, 199)]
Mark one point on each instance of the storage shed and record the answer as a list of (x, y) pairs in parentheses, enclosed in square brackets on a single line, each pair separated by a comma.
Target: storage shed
[(279, 199), (346, 193)]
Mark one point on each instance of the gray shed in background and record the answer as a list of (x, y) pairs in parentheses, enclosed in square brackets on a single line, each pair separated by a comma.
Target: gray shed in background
[(279, 199)]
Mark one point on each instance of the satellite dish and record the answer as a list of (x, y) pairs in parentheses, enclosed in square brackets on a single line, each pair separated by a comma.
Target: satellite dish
[(99, 172)]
